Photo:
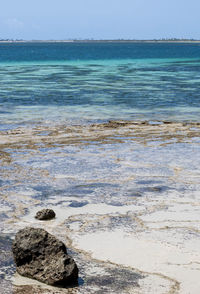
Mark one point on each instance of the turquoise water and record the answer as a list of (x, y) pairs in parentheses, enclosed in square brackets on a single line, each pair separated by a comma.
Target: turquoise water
[(82, 82), (133, 172)]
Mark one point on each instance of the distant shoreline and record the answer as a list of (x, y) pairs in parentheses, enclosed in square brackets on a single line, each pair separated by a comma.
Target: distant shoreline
[(100, 41)]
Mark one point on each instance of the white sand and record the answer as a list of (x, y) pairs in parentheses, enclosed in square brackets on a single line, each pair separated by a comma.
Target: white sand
[(146, 255), (168, 252)]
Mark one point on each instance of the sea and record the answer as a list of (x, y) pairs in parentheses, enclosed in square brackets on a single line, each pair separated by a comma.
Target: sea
[(59, 82), (107, 134)]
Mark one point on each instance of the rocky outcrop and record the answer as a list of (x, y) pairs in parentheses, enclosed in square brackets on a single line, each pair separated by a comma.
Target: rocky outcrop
[(39, 255), (45, 214)]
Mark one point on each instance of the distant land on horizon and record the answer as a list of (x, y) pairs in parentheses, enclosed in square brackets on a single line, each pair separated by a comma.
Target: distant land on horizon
[(163, 40)]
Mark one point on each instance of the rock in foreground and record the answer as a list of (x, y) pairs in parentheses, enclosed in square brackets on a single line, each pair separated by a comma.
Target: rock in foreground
[(39, 255), (45, 214)]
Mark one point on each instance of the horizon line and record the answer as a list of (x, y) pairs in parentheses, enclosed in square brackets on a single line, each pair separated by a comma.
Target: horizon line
[(10, 40)]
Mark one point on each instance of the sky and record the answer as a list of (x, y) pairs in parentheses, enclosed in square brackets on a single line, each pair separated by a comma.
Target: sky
[(99, 19)]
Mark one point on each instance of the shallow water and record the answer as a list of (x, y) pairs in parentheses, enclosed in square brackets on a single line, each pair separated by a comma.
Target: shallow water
[(133, 181), (81, 83), (120, 180)]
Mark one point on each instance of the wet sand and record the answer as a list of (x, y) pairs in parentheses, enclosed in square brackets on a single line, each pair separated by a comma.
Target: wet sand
[(126, 195)]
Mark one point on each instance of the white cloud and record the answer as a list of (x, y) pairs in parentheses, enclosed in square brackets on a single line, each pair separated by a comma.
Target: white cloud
[(14, 23)]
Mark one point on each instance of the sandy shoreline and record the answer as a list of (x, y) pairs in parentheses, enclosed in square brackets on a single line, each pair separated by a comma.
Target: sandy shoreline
[(102, 41), (126, 196)]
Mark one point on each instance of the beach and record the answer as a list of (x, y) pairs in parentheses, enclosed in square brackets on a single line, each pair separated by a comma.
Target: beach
[(107, 135), (126, 200)]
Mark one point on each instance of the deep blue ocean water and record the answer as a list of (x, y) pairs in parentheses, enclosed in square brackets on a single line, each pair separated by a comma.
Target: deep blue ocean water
[(84, 82)]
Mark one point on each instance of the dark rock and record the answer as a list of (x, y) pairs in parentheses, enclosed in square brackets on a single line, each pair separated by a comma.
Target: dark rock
[(39, 255), (45, 214)]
